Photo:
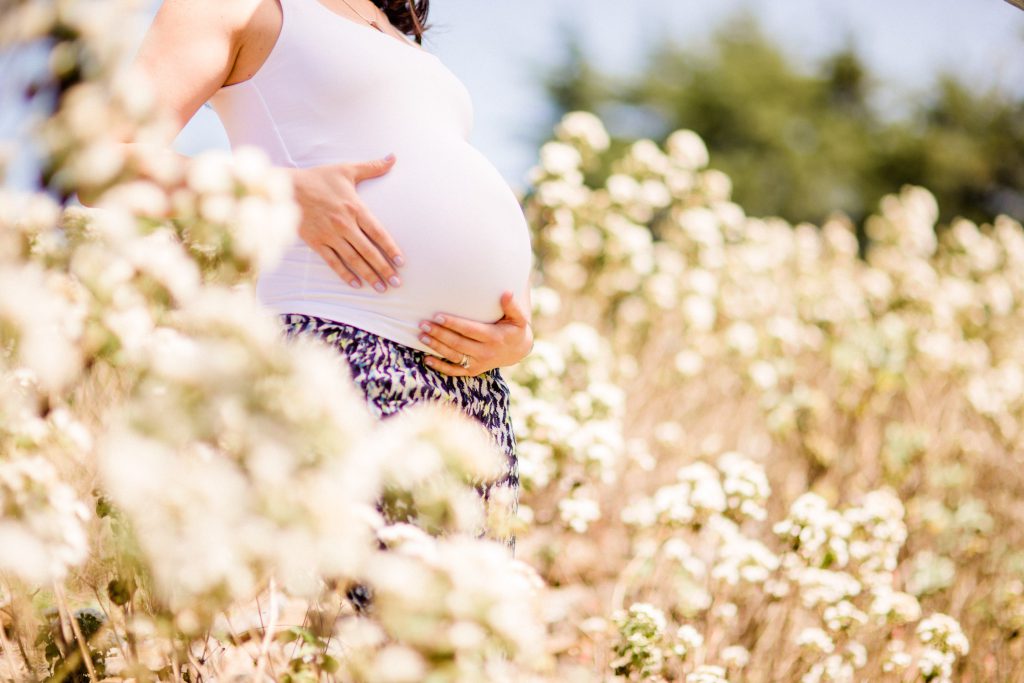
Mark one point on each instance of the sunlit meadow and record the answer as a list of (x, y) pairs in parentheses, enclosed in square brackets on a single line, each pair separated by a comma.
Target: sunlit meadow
[(750, 451)]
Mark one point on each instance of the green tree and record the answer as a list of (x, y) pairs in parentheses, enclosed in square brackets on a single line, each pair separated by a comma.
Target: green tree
[(802, 143)]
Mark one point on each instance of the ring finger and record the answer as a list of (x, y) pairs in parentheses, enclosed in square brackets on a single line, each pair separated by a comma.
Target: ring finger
[(448, 352), (460, 342)]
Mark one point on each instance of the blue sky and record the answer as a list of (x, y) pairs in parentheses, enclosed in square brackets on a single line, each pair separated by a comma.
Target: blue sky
[(494, 46)]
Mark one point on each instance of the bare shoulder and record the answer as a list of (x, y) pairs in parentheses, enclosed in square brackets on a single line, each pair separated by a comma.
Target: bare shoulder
[(226, 17), (190, 49)]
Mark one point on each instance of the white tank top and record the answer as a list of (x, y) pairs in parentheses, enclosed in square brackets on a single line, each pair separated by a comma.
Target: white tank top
[(332, 90)]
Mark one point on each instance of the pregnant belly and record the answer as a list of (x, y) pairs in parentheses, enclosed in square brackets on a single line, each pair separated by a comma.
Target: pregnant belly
[(459, 226)]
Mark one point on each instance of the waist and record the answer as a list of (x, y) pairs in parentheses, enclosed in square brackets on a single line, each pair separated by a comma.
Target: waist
[(437, 278)]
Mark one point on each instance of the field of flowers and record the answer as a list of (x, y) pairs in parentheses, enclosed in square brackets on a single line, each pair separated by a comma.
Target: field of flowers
[(750, 451)]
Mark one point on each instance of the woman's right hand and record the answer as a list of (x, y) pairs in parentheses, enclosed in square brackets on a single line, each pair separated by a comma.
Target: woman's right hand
[(339, 227)]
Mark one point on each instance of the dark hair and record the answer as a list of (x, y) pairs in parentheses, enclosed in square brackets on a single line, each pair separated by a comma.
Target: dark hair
[(408, 16)]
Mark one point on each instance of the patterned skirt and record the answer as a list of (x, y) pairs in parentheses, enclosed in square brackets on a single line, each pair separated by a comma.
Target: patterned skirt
[(393, 376)]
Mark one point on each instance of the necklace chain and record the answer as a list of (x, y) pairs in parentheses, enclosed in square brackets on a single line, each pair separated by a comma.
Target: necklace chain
[(371, 22)]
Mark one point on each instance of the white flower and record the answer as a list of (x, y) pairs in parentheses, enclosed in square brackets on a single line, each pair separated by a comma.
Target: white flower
[(623, 188), (41, 322), (558, 158), (896, 657), (585, 127), (942, 632), (707, 673), (824, 586), (688, 639), (578, 512), (735, 656), (896, 605), (687, 149), (688, 363), (210, 173), (398, 664), (42, 530), (815, 639)]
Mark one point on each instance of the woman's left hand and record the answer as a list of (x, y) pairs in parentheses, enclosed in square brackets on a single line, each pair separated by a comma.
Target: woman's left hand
[(484, 345)]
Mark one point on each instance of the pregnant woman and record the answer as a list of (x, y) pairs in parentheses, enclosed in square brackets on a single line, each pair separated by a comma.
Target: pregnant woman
[(420, 276)]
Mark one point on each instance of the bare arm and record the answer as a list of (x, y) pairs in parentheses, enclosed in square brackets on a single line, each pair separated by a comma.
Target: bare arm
[(190, 50), (188, 53)]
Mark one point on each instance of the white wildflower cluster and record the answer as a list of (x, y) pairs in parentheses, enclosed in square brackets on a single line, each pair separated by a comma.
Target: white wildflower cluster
[(559, 176), (835, 668), (584, 133), (41, 309), (715, 558), (735, 487), (844, 565), (745, 486), (636, 185), (596, 242), (865, 538), (677, 277), (239, 194), (567, 413), (760, 291), (707, 673), (815, 532), (94, 115), (688, 641), (735, 657), (429, 453), (262, 475), (455, 607), (712, 545), (906, 224), (740, 558), (816, 640), (877, 533), (896, 658), (893, 606), (943, 641), (641, 647), (688, 149), (42, 530), (929, 573), (43, 513), (646, 647), (578, 511)]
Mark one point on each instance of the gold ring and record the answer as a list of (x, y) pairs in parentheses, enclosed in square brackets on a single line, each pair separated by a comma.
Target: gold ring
[(465, 361)]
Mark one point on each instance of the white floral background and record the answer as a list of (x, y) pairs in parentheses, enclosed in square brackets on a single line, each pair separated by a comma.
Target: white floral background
[(748, 453)]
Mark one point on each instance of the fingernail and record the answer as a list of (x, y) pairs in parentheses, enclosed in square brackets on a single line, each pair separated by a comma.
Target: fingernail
[(355, 283), (399, 261), (379, 286), (394, 280), (389, 157), (425, 327), (439, 318), (425, 339)]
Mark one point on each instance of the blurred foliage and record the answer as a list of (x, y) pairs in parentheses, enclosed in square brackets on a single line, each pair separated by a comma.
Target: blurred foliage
[(799, 143)]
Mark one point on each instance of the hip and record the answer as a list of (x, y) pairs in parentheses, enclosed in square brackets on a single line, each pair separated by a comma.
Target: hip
[(393, 375)]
